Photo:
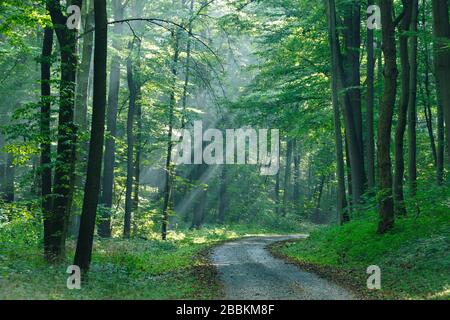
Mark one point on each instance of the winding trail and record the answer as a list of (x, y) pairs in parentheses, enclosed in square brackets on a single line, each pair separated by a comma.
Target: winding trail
[(249, 272)]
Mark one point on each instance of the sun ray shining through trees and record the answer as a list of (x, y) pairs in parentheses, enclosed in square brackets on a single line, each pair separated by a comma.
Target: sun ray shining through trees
[(137, 136)]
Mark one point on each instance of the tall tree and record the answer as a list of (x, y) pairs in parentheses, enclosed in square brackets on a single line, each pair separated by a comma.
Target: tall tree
[(46, 160), (341, 197), (370, 150), (386, 203), (351, 100), (403, 110), (91, 192), (171, 116), (441, 31), (287, 175), (222, 195), (132, 87), (63, 182), (104, 228), (412, 101), (81, 107)]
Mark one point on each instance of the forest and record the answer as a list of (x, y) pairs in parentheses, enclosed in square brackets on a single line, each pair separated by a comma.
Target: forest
[(147, 146)]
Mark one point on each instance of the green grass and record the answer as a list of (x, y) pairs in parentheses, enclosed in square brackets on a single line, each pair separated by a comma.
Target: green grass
[(414, 256), (120, 269)]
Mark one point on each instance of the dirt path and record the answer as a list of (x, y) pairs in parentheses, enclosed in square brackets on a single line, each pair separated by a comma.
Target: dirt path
[(249, 272)]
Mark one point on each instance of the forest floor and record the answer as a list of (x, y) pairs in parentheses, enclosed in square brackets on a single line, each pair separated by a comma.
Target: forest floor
[(249, 272), (121, 269), (414, 257)]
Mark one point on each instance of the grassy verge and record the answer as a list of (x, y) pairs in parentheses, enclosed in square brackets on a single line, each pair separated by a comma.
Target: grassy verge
[(121, 269), (414, 256)]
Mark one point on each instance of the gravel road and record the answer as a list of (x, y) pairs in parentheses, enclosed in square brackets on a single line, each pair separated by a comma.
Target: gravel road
[(249, 272)]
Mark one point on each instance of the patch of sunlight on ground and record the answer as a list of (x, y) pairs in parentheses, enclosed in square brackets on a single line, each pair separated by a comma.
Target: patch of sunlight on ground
[(445, 293)]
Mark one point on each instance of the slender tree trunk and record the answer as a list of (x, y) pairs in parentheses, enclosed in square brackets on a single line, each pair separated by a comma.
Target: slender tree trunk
[(138, 146), (132, 87), (440, 144), (104, 228), (187, 68), (67, 132), (296, 191), (172, 102), (402, 112), (277, 192), (91, 192), (319, 198), (412, 101), (10, 172), (386, 203), (427, 94), (341, 197), (200, 206), (441, 31), (287, 175), (222, 195), (352, 40), (46, 161), (81, 106), (349, 177), (370, 107)]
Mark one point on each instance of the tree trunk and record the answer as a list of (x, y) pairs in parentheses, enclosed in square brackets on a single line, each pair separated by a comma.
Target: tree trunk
[(46, 161), (187, 67), (370, 108), (441, 31), (138, 147), (412, 103), (91, 192), (10, 172), (81, 106), (440, 144), (287, 176), (341, 197), (386, 203), (104, 228), (168, 168), (403, 111), (277, 192), (222, 195), (67, 132), (296, 191), (427, 94), (352, 104), (352, 41), (132, 87)]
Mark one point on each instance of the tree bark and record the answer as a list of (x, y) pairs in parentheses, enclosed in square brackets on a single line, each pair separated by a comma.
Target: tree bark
[(46, 161), (352, 71), (67, 132), (403, 111), (81, 106), (441, 31), (296, 191), (427, 94), (370, 108), (91, 192), (222, 195), (351, 103), (341, 197), (287, 175), (386, 203), (132, 87), (168, 167), (412, 103), (104, 228)]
